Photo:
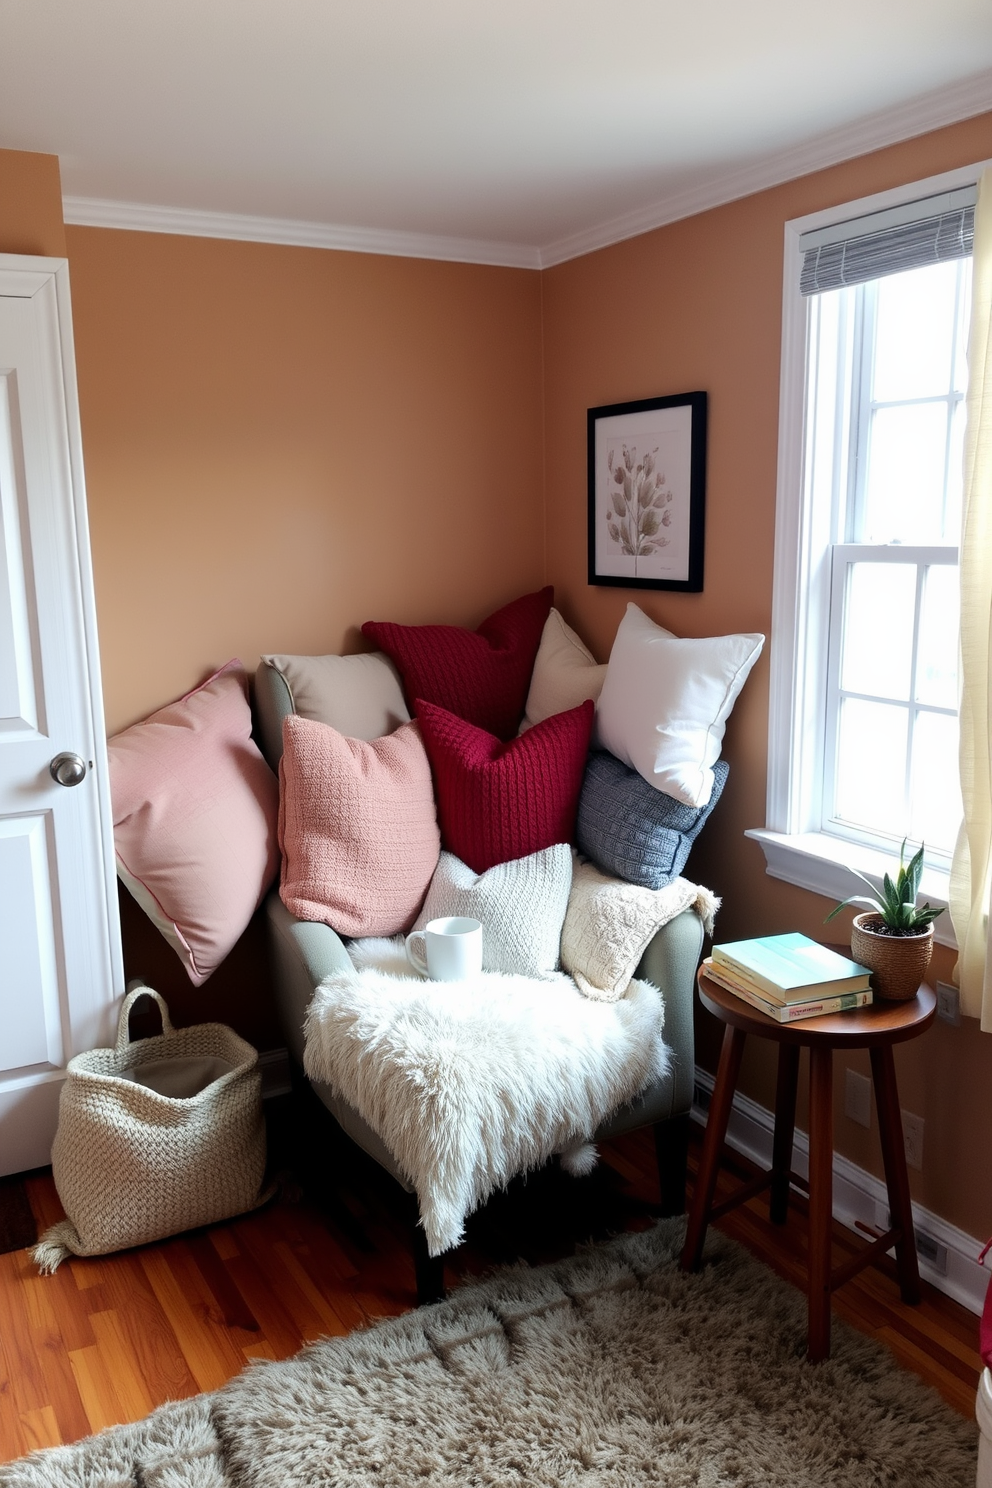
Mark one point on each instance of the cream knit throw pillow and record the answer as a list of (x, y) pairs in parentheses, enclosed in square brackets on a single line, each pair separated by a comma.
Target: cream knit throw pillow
[(521, 905)]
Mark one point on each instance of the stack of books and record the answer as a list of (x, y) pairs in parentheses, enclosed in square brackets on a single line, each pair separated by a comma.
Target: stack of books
[(789, 977)]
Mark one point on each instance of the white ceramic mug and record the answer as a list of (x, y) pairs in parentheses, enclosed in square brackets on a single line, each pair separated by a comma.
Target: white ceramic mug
[(446, 950)]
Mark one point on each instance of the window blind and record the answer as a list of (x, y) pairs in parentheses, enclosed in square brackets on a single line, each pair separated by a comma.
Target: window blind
[(906, 237)]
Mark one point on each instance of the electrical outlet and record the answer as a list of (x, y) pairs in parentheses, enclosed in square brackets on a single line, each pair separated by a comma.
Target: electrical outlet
[(949, 1004), (912, 1131), (857, 1097), (929, 1249)]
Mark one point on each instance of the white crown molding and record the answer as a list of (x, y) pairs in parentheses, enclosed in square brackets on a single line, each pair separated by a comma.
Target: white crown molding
[(888, 127), (86, 211), (933, 111)]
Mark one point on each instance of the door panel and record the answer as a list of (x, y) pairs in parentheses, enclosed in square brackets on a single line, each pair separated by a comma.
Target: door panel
[(30, 1013), (60, 962)]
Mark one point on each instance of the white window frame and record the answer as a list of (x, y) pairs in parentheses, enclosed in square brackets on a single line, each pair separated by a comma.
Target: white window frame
[(796, 849)]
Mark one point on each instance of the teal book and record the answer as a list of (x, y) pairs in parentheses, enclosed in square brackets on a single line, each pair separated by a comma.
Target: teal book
[(792, 967)]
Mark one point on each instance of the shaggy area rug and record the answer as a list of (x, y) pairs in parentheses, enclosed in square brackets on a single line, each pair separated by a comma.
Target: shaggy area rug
[(611, 1368)]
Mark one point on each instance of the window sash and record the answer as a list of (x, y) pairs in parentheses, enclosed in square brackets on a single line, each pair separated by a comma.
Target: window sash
[(843, 556)]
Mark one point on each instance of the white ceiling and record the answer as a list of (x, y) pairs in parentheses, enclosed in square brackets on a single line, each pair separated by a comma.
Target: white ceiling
[(518, 131)]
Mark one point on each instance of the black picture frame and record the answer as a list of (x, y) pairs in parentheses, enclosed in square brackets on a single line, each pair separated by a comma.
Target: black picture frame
[(647, 527)]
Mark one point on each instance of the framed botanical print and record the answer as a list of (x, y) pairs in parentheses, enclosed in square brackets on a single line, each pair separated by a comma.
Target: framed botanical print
[(647, 492)]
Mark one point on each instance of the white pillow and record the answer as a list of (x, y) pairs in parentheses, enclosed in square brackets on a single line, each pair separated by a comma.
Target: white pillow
[(565, 673), (521, 905), (665, 702)]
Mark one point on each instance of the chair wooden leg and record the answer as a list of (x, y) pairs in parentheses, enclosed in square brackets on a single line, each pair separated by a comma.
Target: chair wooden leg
[(731, 1053), (428, 1269), (671, 1145)]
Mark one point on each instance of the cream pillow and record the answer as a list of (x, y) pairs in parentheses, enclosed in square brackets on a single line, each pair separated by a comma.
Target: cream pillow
[(521, 905), (665, 702), (565, 673)]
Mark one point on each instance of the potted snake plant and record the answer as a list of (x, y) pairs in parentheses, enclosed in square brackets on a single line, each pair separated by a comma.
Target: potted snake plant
[(894, 936)]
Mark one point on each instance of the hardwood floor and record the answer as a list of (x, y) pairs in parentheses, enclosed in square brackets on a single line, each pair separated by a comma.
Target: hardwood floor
[(106, 1340)]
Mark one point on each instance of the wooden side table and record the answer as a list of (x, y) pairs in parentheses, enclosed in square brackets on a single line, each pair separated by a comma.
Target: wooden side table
[(876, 1028)]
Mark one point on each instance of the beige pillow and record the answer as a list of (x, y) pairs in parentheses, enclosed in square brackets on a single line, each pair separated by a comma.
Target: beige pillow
[(565, 673), (361, 696)]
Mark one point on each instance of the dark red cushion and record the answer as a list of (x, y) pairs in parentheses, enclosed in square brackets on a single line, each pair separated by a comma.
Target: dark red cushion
[(499, 801), (482, 675)]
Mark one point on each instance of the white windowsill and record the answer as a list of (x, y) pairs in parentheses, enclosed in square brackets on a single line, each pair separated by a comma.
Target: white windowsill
[(823, 864)]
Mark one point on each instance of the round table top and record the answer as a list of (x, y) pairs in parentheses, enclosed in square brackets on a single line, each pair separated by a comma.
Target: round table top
[(880, 1023)]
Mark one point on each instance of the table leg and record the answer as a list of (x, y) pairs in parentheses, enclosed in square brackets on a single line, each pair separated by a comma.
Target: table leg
[(785, 1128), (896, 1177), (716, 1131), (821, 1157)]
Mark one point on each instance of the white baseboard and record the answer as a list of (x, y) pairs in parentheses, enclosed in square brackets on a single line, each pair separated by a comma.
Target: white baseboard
[(948, 1257)]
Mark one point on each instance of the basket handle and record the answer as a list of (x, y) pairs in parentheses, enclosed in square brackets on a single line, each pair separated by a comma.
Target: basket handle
[(137, 990)]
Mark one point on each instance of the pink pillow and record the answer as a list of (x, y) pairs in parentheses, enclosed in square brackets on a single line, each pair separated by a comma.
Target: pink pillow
[(195, 809), (480, 675), (357, 827), (500, 801)]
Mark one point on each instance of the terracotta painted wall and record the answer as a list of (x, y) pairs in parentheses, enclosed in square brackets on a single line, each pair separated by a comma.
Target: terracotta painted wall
[(281, 443), (698, 305), (31, 204)]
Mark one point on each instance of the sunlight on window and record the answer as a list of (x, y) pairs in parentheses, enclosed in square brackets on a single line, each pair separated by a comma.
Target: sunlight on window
[(915, 334), (937, 661), (886, 443), (904, 481), (879, 593), (871, 766), (934, 789)]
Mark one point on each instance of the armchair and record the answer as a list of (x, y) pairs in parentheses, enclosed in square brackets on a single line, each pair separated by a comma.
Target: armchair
[(305, 952)]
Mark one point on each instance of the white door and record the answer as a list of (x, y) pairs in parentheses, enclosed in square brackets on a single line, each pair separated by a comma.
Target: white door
[(60, 960)]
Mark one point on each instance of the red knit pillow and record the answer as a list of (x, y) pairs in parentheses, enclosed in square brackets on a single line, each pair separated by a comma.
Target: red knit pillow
[(500, 801), (481, 675)]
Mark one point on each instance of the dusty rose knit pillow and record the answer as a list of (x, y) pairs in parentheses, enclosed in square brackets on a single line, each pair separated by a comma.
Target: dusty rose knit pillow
[(499, 801), (195, 818), (357, 827), (480, 675)]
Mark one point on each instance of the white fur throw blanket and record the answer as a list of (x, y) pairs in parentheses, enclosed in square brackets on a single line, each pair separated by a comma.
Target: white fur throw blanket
[(609, 925), (470, 1083)]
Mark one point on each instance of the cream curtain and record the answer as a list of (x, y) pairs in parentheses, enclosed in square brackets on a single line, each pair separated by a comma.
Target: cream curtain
[(971, 872)]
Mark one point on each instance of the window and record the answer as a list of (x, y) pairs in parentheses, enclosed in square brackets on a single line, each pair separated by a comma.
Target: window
[(863, 727), (885, 428)]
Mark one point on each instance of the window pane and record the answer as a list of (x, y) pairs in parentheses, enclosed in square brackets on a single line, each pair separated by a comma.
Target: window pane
[(937, 809), (915, 333), (937, 662), (881, 601), (904, 489), (871, 766)]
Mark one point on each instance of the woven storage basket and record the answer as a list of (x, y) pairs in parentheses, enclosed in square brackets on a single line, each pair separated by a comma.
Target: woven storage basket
[(155, 1136)]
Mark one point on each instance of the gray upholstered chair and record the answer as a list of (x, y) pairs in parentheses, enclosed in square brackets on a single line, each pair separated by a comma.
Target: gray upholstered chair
[(304, 952)]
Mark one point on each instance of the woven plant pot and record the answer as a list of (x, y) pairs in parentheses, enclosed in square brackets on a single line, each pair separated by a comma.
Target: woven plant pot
[(897, 963)]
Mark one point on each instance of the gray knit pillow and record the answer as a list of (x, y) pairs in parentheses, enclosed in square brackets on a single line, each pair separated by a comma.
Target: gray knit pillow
[(634, 831), (521, 905)]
